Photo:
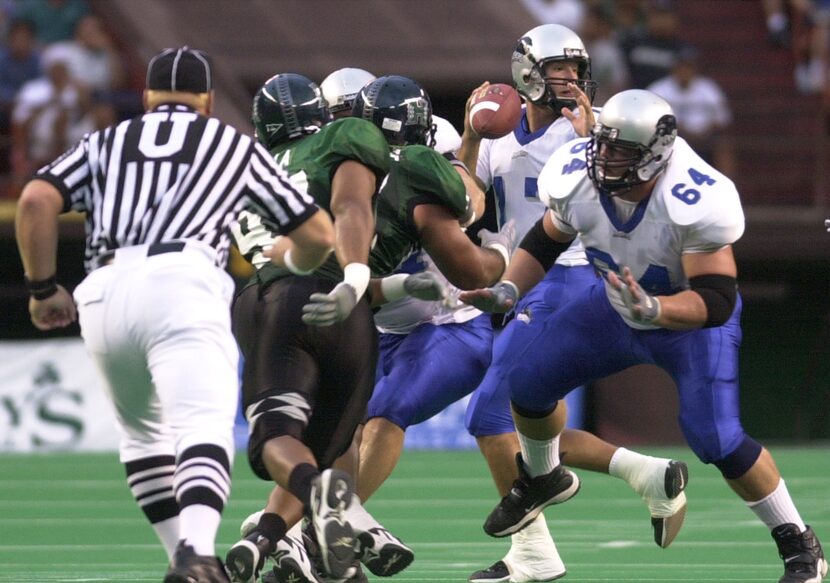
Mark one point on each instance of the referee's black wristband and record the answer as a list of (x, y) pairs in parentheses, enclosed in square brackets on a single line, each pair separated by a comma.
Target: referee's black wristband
[(42, 289)]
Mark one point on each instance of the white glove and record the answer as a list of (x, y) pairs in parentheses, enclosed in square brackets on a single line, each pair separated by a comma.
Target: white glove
[(504, 241), (642, 307), (423, 285), (330, 308), (499, 299)]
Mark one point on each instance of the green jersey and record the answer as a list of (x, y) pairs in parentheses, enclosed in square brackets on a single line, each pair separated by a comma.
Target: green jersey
[(419, 175), (311, 163)]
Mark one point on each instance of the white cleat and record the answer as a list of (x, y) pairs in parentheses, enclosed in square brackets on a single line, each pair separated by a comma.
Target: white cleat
[(382, 552), (661, 486), (532, 557)]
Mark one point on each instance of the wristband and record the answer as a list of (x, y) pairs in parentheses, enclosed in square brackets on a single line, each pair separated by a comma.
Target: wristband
[(357, 275), (290, 266), (42, 289), (392, 287), (502, 250)]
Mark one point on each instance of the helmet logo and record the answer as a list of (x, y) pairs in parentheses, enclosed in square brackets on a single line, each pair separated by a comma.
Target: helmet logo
[(273, 127), (575, 53), (416, 111)]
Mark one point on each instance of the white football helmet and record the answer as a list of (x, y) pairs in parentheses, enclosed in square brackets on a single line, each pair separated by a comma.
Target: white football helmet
[(550, 42), (340, 88), (636, 122)]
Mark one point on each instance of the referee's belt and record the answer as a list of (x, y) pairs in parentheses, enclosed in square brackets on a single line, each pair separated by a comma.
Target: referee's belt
[(108, 257)]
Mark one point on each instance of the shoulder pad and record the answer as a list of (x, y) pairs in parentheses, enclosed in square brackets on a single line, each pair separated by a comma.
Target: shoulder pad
[(695, 192), (563, 172)]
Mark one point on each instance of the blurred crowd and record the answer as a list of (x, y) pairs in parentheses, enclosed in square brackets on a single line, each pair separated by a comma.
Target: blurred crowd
[(61, 75), (636, 44), (804, 27)]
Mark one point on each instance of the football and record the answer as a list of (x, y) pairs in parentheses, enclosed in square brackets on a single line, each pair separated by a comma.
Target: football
[(496, 112)]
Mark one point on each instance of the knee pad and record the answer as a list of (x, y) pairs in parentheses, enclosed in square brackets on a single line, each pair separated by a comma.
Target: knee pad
[(271, 417), (737, 463)]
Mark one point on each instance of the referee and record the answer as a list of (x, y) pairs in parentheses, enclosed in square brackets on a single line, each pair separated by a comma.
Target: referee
[(159, 192)]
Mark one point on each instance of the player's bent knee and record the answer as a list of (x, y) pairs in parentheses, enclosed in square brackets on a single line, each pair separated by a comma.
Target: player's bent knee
[(737, 463), (272, 417)]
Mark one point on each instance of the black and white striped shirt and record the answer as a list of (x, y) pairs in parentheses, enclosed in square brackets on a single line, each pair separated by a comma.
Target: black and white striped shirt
[(171, 174)]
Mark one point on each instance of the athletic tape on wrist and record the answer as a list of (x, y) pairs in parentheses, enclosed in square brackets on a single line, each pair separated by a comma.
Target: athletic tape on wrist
[(502, 250), (392, 287), (357, 275), (291, 266)]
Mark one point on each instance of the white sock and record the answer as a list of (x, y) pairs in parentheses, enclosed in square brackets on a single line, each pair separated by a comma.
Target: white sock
[(626, 464), (296, 531), (198, 526), (540, 456), (777, 509), (168, 533)]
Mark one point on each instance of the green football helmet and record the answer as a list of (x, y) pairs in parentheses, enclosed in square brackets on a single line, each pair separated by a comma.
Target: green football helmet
[(288, 106), (399, 107)]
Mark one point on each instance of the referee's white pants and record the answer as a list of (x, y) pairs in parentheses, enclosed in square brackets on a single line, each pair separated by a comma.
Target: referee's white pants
[(158, 329)]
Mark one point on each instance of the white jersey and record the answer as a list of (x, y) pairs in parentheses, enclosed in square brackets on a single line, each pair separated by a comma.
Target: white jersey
[(511, 165), (404, 315), (692, 209), (447, 138)]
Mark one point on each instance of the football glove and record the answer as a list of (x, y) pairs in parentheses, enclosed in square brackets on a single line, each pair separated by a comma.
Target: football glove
[(504, 241), (499, 298), (642, 307), (328, 309), (425, 285)]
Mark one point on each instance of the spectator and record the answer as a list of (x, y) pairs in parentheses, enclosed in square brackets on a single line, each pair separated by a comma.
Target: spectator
[(629, 17), (19, 63), (54, 20), (568, 13), (702, 110), (46, 110), (778, 22), (608, 66), (91, 56), (651, 53), (811, 47)]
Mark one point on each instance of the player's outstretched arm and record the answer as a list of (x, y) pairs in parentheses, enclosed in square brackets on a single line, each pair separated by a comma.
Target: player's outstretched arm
[(463, 263), (352, 189), (305, 248)]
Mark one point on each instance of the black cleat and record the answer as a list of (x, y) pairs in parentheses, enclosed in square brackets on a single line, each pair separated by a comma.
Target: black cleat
[(528, 497), (804, 560), (188, 567)]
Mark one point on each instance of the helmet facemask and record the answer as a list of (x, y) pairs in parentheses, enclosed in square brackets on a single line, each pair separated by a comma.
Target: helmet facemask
[(544, 85), (616, 165), (542, 45)]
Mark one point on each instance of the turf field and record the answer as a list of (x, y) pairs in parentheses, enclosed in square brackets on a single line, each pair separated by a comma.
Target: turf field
[(71, 518)]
